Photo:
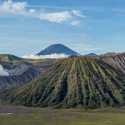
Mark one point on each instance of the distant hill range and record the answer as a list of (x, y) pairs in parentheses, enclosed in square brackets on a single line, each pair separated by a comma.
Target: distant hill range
[(58, 49), (9, 57)]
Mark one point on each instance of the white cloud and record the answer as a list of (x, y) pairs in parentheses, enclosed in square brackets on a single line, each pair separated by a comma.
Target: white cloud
[(13, 7), (78, 13), (3, 72), (57, 17), (51, 56), (22, 8), (75, 23)]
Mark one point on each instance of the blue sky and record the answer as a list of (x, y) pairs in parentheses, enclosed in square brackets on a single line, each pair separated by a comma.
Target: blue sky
[(27, 26)]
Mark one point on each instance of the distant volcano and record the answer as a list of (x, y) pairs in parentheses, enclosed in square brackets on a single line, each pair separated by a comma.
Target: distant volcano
[(91, 55), (58, 49)]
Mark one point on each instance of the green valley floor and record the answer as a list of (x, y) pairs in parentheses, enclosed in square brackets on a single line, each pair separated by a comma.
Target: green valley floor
[(11, 115)]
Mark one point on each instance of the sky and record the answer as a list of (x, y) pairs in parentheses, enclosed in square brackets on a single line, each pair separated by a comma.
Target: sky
[(87, 26)]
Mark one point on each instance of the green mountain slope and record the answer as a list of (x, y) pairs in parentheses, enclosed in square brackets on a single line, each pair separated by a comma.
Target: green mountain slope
[(73, 82), (8, 57)]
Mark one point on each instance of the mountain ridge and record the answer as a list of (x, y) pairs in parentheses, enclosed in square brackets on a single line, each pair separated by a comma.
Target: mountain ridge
[(9, 57), (58, 49)]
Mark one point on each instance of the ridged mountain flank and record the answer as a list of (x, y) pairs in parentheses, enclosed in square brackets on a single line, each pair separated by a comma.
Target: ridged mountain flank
[(73, 82), (116, 60)]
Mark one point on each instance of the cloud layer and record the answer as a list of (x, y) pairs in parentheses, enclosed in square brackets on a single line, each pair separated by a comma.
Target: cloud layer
[(51, 56), (72, 17)]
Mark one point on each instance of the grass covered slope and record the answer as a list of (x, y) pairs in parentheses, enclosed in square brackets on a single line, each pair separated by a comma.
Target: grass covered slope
[(73, 82)]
